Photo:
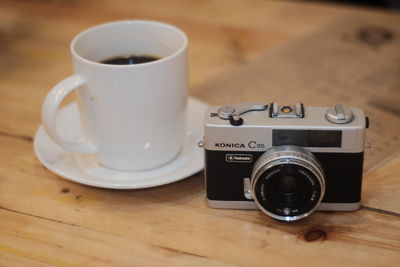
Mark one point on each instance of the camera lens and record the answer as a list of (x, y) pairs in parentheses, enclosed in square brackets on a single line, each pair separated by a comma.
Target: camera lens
[(288, 183)]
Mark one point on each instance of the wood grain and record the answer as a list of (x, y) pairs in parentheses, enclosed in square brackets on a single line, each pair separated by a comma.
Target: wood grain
[(26, 238), (381, 186), (46, 220)]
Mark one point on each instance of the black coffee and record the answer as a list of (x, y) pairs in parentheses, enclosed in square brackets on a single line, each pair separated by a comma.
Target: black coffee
[(129, 60)]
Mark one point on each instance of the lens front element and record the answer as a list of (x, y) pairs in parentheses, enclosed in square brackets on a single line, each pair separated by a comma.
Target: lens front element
[(287, 183)]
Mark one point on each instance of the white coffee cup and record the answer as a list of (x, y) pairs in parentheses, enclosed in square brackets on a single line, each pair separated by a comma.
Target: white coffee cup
[(133, 116)]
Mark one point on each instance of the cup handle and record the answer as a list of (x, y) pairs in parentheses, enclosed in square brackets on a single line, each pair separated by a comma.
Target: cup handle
[(49, 111)]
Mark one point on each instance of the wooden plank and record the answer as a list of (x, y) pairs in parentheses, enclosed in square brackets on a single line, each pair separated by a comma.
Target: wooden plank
[(176, 216), (26, 241), (381, 186)]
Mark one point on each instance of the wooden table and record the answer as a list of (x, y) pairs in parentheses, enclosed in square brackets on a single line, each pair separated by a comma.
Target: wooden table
[(47, 220)]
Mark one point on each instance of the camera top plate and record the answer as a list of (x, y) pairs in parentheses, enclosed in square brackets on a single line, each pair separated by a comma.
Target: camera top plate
[(252, 122)]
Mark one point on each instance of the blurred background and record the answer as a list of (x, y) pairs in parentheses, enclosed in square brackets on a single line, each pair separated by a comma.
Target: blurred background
[(395, 4)]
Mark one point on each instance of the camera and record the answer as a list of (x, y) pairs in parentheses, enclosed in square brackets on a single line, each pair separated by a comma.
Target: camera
[(287, 161)]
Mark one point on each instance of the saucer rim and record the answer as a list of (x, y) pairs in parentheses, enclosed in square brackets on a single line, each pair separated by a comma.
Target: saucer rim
[(111, 185)]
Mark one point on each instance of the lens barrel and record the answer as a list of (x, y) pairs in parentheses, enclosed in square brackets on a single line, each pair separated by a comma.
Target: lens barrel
[(287, 183)]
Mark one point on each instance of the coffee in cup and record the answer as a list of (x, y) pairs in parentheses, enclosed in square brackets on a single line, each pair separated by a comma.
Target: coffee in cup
[(130, 60)]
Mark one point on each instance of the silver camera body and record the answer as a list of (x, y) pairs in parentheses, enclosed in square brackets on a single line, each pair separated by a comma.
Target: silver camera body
[(287, 161)]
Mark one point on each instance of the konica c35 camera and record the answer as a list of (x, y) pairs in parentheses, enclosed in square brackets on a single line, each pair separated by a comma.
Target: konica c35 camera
[(287, 161)]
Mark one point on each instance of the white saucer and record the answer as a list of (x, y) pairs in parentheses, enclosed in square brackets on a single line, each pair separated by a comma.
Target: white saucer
[(83, 168)]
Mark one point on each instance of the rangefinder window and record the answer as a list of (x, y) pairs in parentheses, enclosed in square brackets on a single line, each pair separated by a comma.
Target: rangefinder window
[(307, 138)]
